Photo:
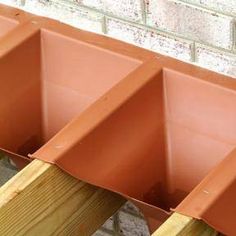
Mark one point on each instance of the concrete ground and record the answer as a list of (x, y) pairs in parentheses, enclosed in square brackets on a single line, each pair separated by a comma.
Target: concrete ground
[(128, 221)]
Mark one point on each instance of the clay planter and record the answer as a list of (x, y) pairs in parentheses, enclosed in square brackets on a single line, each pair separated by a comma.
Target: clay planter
[(146, 126), (62, 79), (153, 137), (10, 18), (6, 25)]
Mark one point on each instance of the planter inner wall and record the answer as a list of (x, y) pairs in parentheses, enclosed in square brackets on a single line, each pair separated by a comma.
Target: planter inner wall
[(154, 148), (6, 25), (46, 81), (160, 143), (200, 131)]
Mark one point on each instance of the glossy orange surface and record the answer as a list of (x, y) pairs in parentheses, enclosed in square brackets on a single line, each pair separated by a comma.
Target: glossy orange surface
[(149, 127)]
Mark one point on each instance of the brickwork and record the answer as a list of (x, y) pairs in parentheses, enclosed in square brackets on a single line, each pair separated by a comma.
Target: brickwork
[(197, 31)]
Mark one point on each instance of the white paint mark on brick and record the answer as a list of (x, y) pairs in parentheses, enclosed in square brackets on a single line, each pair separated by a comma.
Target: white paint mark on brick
[(127, 9), (130, 207), (149, 39), (216, 60), (191, 21)]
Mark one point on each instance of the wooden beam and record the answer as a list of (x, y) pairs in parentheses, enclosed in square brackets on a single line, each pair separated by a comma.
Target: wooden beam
[(43, 200), (180, 225)]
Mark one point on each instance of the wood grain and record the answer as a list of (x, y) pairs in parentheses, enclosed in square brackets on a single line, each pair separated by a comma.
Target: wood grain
[(43, 200), (180, 225)]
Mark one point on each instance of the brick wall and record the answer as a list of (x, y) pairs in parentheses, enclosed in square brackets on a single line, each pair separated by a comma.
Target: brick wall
[(197, 31)]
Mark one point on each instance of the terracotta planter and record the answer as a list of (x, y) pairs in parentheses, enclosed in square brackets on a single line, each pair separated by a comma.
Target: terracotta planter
[(6, 25), (146, 126), (10, 18)]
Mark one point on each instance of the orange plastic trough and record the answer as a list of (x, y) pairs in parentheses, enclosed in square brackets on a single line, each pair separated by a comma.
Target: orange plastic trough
[(149, 127)]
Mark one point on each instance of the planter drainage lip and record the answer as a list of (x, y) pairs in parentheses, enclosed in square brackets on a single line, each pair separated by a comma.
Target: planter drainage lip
[(138, 138)]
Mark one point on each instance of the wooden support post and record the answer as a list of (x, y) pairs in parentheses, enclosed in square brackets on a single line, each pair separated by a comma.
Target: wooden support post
[(43, 200), (180, 225)]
